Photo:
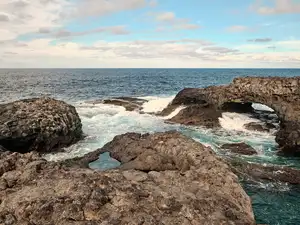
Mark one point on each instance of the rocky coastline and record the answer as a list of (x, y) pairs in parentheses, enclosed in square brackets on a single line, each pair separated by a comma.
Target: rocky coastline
[(164, 178)]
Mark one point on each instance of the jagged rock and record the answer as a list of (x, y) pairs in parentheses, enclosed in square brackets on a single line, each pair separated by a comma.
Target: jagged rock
[(39, 124), (254, 172), (240, 148), (129, 103), (166, 178), (200, 115), (2, 149), (256, 127), (280, 94)]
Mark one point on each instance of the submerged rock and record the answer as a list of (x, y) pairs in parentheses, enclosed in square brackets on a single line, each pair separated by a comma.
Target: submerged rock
[(39, 124), (165, 178), (239, 148), (280, 94), (256, 127), (254, 172), (129, 103)]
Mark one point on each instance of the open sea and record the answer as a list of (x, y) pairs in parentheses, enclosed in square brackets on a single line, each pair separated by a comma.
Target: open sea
[(273, 204)]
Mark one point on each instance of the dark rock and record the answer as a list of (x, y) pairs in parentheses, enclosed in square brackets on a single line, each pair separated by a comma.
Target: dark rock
[(2, 149), (254, 172), (256, 127), (185, 184), (200, 115), (280, 94), (129, 103), (270, 126), (240, 148), (39, 124)]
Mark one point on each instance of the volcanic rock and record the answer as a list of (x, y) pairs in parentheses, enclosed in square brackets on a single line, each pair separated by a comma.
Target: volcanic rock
[(39, 124), (280, 94), (165, 178), (239, 148)]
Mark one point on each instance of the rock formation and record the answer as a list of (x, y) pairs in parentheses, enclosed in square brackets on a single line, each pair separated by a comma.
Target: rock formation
[(280, 94), (253, 172), (39, 124), (239, 148), (129, 103), (165, 178)]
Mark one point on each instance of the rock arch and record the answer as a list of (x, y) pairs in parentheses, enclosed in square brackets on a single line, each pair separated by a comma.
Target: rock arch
[(280, 94)]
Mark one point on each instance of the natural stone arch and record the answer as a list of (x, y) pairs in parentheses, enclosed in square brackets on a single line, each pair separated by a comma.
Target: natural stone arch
[(280, 94)]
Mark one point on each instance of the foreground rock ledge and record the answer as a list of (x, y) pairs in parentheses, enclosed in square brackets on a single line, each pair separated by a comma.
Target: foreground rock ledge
[(39, 124), (205, 105), (166, 178)]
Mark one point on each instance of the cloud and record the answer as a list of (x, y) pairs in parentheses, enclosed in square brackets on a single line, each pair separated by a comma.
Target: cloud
[(260, 40), (142, 53), (279, 7), (20, 17), (237, 28), (4, 17), (221, 50), (115, 30), (169, 20), (103, 7)]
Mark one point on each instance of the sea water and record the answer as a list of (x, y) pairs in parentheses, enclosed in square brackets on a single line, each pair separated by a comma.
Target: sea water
[(272, 203)]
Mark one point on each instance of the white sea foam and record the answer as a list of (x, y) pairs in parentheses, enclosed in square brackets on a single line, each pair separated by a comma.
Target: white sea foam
[(156, 104), (258, 106), (101, 123), (174, 113), (235, 121)]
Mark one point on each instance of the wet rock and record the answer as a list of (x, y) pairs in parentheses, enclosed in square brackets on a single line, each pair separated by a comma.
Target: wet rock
[(129, 103), (256, 127), (198, 115), (254, 172), (195, 187), (2, 149), (280, 94), (239, 148), (39, 124)]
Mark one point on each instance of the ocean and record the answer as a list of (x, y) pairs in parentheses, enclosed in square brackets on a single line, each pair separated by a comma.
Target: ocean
[(273, 204)]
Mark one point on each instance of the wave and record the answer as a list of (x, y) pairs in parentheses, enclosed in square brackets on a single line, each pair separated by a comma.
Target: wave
[(156, 104), (262, 107), (236, 121), (101, 123), (174, 113)]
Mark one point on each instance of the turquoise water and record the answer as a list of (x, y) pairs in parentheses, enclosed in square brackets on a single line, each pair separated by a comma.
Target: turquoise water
[(273, 204), (105, 162)]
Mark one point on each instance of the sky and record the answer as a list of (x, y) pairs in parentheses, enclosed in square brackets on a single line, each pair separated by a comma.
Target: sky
[(149, 34)]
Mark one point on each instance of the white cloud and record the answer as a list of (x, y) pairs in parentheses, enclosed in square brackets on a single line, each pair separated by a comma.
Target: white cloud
[(21, 17), (169, 20), (279, 7), (104, 7), (170, 53), (237, 28)]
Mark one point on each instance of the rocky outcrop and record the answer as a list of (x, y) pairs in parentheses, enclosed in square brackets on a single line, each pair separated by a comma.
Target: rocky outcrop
[(165, 178), (239, 148), (257, 127), (280, 94), (253, 172), (39, 124), (129, 103)]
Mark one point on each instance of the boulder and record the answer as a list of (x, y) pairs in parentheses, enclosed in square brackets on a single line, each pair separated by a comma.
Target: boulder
[(165, 178), (280, 94), (239, 148), (129, 103), (253, 172), (39, 124), (256, 127), (199, 115)]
